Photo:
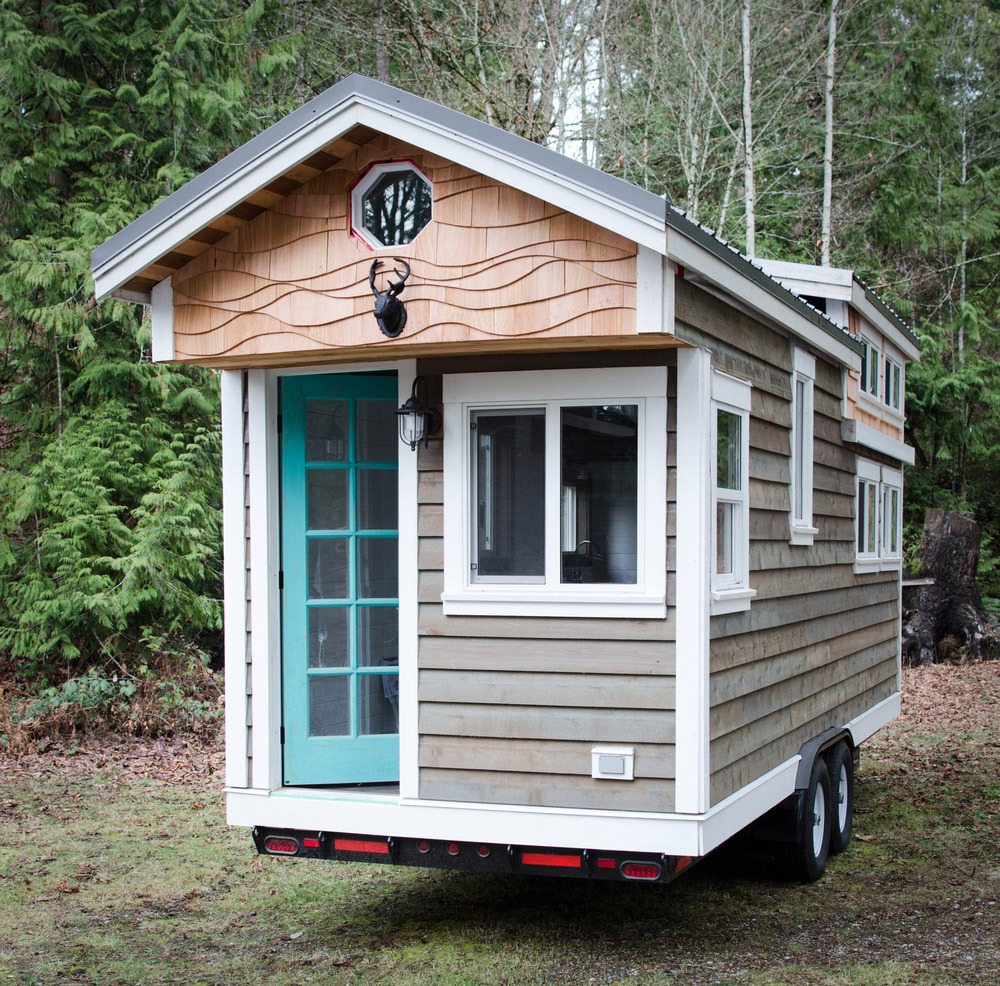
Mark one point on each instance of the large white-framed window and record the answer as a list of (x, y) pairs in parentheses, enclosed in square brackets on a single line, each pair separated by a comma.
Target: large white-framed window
[(730, 483), (803, 432), (555, 492), (879, 515)]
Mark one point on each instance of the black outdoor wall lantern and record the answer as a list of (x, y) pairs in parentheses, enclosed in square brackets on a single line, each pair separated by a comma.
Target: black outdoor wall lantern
[(417, 421), (389, 311)]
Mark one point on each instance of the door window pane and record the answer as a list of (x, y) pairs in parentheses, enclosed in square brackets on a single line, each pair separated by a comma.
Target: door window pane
[(378, 568), (326, 431), (600, 493), (377, 440), (328, 568), (509, 495), (378, 704), (378, 636), (377, 499), (328, 494), (329, 637), (329, 706)]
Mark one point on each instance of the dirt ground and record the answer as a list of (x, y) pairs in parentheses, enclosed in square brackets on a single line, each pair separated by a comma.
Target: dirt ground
[(915, 901)]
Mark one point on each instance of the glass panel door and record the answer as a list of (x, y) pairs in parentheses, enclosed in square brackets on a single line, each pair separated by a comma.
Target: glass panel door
[(340, 600)]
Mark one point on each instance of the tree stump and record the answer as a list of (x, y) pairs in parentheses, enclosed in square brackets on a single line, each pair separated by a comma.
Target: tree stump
[(952, 608)]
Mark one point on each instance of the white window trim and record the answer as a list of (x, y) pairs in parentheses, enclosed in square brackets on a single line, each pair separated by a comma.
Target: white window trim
[(732, 593), (466, 392), (882, 478), (360, 189), (802, 529)]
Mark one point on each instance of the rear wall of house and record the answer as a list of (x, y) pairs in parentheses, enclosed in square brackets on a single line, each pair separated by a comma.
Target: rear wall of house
[(819, 644), (511, 707)]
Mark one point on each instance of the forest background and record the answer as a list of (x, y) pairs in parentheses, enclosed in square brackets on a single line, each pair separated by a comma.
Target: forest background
[(861, 133)]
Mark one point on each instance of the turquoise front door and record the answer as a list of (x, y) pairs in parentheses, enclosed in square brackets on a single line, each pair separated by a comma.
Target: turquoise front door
[(340, 606)]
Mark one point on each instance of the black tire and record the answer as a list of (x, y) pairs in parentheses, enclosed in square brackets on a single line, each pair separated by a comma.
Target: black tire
[(840, 766), (810, 847)]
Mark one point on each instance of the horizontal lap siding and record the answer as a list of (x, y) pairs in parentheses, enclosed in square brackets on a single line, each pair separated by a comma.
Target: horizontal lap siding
[(510, 707), (819, 645)]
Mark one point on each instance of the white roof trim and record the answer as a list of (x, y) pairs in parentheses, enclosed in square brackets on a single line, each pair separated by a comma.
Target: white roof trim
[(862, 434)]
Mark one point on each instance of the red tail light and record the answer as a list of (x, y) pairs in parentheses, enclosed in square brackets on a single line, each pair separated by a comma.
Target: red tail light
[(551, 859), (361, 845), (281, 845), (641, 871)]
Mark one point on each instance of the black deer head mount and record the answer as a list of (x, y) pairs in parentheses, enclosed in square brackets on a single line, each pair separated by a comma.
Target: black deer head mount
[(389, 311)]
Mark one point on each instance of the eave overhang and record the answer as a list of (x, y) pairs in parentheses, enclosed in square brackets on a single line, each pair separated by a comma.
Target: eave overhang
[(335, 123)]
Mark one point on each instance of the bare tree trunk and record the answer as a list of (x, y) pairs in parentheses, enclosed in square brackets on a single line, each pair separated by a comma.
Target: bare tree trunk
[(749, 187), (948, 618), (826, 234)]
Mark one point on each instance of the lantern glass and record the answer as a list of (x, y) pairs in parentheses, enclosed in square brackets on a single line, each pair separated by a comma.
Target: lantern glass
[(412, 425)]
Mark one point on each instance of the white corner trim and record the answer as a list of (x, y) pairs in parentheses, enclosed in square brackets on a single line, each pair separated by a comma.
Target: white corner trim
[(234, 578), (409, 763), (654, 292), (265, 622), (693, 578), (162, 317), (862, 434)]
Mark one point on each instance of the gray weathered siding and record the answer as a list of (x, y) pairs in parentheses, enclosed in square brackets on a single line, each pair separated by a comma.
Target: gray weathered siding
[(510, 707), (819, 644)]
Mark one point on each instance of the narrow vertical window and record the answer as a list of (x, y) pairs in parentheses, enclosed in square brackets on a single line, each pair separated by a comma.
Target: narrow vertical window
[(870, 359), (731, 590), (803, 430), (893, 384), (891, 522)]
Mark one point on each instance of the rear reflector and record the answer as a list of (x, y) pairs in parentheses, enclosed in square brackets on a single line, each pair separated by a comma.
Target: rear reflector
[(606, 864), (361, 845), (281, 845), (551, 859), (308, 843), (641, 871)]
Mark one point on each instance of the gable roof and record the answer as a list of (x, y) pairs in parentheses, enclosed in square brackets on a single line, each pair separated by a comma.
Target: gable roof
[(349, 114)]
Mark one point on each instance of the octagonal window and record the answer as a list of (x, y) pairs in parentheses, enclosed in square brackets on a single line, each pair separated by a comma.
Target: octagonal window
[(391, 204)]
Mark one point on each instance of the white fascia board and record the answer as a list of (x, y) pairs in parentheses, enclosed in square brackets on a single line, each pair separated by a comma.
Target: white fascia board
[(232, 189), (822, 282), (235, 187), (863, 306), (870, 722), (862, 434), (549, 186), (695, 258), (162, 318), (342, 811), (675, 834)]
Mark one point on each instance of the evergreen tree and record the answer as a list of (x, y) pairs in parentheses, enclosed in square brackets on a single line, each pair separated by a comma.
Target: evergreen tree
[(109, 465)]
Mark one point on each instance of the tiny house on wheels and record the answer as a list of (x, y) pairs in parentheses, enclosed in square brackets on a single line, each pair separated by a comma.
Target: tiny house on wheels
[(560, 538)]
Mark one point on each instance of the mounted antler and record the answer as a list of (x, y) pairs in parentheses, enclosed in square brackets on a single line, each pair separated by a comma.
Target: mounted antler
[(389, 311)]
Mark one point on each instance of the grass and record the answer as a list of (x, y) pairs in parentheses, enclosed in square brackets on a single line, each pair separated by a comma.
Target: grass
[(108, 880)]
